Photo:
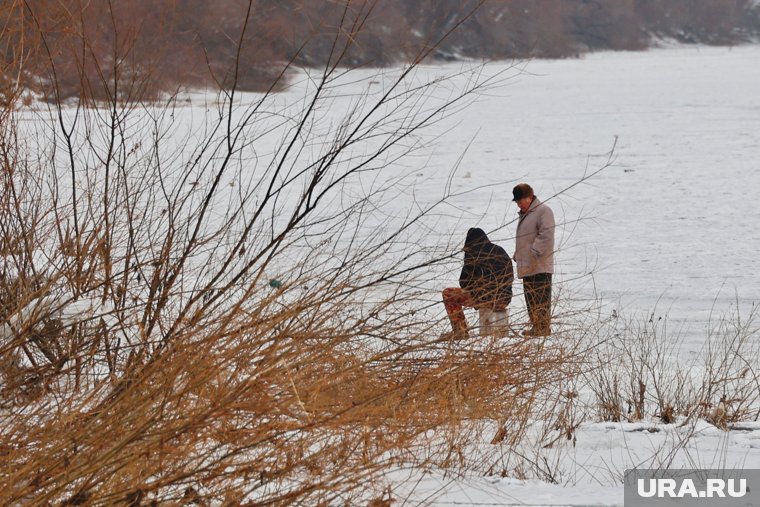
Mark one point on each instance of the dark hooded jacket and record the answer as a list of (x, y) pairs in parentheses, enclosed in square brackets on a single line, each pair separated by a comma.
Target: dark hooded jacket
[(487, 272)]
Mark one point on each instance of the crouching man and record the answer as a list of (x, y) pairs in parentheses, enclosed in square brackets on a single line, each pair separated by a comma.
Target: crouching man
[(485, 283)]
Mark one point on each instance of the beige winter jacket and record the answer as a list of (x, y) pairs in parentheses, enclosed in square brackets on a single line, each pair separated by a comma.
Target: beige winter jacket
[(534, 251)]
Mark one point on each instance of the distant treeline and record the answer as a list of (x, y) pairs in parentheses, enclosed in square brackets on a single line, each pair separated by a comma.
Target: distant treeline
[(132, 48)]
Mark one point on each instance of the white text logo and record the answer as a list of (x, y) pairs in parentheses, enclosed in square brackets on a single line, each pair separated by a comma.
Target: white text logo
[(714, 488)]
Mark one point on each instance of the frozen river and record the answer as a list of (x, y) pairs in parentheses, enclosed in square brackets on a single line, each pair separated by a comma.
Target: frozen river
[(675, 218), (670, 226)]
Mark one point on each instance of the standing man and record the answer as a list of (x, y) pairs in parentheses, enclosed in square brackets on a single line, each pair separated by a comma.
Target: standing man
[(534, 255), (485, 282)]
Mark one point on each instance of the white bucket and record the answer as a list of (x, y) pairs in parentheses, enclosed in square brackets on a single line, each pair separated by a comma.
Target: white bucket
[(493, 323)]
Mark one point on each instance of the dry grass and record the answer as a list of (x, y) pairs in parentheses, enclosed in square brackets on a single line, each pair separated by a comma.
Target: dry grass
[(652, 375), (147, 354), (251, 413)]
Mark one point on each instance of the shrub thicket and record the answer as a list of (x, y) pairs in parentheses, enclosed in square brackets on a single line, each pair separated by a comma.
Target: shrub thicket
[(160, 44), (234, 308)]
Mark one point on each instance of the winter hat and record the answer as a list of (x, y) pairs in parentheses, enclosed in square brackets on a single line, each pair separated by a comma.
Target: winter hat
[(522, 190)]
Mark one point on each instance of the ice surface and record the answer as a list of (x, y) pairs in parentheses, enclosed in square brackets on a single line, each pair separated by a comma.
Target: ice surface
[(670, 227), (675, 217)]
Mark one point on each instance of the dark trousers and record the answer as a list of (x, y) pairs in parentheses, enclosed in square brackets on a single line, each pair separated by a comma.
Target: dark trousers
[(538, 299)]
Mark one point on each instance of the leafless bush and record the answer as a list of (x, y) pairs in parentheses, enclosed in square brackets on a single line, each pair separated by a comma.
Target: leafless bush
[(228, 310), (648, 373), (151, 47)]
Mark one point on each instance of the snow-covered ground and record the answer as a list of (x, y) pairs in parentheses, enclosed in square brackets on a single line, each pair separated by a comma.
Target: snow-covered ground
[(675, 217), (671, 227), (591, 471)]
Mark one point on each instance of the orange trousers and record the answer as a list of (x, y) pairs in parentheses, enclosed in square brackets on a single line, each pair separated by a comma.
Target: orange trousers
[(455, 299)]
